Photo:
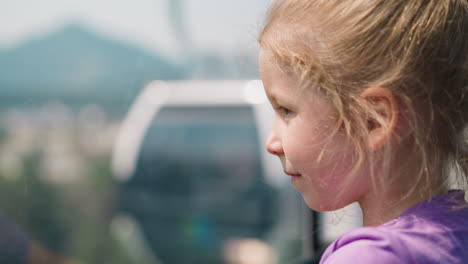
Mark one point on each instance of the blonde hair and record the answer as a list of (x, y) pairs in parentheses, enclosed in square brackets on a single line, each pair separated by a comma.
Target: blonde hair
[(416, 48)]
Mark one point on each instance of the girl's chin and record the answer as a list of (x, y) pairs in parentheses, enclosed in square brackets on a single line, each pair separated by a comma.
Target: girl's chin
[(323, 206)]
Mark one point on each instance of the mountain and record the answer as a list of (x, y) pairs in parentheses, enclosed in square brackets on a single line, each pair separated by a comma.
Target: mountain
[(77, 63)]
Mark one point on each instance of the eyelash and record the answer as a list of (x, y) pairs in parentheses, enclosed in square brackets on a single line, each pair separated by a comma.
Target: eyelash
[(283, 111)]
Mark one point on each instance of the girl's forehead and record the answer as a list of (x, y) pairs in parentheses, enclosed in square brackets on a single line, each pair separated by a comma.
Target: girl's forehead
[(269, 66), (281, 79), (275, 78), (266, 60)]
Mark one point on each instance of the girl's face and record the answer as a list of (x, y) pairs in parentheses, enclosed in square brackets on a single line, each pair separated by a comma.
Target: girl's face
[(316, 159)]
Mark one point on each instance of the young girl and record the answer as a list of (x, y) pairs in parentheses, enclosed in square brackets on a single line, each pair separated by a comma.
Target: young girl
[(371, 106)]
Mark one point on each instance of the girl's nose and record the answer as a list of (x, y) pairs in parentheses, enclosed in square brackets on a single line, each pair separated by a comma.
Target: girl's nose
[(274, 145)]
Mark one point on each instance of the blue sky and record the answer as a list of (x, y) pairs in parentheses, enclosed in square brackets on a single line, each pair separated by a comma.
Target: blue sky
[(216, 25)]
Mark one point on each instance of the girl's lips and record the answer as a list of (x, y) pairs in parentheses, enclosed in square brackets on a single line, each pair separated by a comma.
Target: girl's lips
[(293, 174)]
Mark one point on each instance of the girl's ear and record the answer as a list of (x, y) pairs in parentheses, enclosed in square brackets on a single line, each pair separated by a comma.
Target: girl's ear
[(382, 117)]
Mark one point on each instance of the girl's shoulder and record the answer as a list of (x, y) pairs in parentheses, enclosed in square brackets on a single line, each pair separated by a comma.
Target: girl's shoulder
[(433, 231), (366, 245)]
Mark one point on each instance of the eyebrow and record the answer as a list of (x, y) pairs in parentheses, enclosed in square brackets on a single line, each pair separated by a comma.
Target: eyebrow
[(271, 96), (278, 99)]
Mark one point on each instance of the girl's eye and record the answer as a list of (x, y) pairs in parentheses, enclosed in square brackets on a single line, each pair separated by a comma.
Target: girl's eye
[(284, 112)]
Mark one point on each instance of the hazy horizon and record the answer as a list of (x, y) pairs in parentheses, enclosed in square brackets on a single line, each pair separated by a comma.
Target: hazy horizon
[(220, 26)]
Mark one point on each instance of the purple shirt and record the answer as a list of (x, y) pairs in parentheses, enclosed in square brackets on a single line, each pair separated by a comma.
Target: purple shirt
[(433, 231)]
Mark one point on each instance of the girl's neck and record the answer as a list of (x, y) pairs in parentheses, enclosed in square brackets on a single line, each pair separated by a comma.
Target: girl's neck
[(381, 207), (377, 210), (395, 193)]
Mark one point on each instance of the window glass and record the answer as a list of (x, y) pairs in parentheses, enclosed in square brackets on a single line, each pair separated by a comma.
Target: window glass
[(199, 183)]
